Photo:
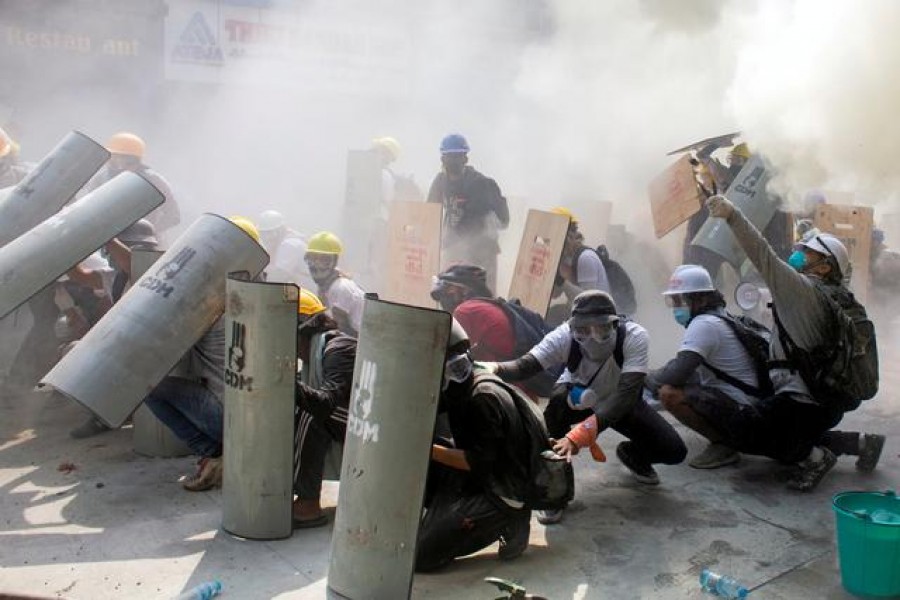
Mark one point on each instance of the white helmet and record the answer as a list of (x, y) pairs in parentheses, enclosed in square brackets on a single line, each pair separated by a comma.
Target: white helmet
[(688, 279), (270, 220), (829, 246)]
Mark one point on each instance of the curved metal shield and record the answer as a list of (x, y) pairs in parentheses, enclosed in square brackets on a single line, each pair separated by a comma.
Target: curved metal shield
[(34, 260), (166, 312), (50, 185), (396, 385), (747, 192), (260, 376)]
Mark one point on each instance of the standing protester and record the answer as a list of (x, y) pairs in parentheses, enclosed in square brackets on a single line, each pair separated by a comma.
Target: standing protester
[(476, 487), (322, 402), (338, 291), (606, 360), (713, 384), (823, 334), (474, 209), (286, 247)]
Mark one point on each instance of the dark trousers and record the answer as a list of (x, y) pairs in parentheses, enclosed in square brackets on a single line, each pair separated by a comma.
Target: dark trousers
[(653, 439), (459, 521), (311, 444)]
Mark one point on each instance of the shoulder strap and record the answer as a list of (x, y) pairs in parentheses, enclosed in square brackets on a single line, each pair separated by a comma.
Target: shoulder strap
[(619, 352)]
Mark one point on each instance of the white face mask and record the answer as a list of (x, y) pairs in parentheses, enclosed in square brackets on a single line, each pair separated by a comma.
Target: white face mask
[(596, 345), (457, 369)]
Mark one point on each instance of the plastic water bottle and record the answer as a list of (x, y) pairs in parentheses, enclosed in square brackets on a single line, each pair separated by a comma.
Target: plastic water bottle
[(204, 591), (724, 587)]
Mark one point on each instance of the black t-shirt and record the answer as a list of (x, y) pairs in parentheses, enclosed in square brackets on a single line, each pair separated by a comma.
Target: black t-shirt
[(467, 200), (487, 426), (330, 402)]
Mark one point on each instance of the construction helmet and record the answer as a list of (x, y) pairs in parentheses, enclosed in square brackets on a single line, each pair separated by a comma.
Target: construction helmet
[(247, 225), (126, 143), (454, 144), (741, 150), (830, 247), (140, 232), (325, 242), (391, 145), (559, 210), (270, 220), (689, 279), (309, 304)]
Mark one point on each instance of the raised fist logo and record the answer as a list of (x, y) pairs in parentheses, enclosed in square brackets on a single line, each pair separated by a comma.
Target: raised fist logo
[(174, 266), (236, 357), (364, 393)]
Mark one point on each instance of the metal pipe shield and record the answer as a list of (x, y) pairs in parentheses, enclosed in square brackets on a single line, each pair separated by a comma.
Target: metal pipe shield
[(124, 356), (51, 184), (34, 260)]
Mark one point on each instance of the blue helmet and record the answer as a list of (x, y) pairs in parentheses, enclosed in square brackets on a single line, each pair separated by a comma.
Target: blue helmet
[(454, 144)]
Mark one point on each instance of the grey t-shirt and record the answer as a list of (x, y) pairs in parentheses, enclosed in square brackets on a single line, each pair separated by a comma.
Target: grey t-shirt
[(714, 340), (207, 359)]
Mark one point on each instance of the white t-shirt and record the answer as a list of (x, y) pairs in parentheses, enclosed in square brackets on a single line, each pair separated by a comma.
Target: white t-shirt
[(714, 340), (287, 264), (346, 297), (591, 273), (553, 351)]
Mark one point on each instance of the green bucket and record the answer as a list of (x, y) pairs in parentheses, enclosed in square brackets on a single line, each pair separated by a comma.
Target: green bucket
[(868, 539)]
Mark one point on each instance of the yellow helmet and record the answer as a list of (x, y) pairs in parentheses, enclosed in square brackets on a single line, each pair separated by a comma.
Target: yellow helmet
[(390, 144), (741, 150), (559, 210), (325, 242), (7, 145), (309, 304), (126, 143), (246, 225)]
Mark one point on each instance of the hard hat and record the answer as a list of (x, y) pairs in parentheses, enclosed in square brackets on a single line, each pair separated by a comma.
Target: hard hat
[(741, 150), (325, 242), (270, 220), (459, 339), (688, 279), (309, 304), (126, 143), (830, 247), (247, 225), (390, 144), (6, 143), (454, 144), (140, 232), (559, 210), (593, 307)]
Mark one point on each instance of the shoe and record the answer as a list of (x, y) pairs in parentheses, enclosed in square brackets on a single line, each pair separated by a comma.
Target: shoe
[(871, 445), (319, 521), (643, 472), (514, 539), (550, 517), (209, 475), (89, 428), (715, 456), (808, 477)]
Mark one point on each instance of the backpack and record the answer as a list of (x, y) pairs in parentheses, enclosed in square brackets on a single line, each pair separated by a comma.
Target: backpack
[(755, 338), (550, 481), (621, 287), (844, 371)]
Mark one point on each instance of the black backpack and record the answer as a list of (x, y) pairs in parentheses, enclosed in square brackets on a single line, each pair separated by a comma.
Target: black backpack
[(529, 329), (844, 371), (755, 338), (621, 287)]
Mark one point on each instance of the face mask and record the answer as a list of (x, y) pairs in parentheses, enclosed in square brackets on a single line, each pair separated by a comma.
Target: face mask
[(797, 260), (682, 315), (457, 369)]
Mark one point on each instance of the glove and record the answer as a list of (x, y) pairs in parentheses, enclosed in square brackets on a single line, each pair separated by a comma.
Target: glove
[(720, 206), (584, 435), (581, 398)]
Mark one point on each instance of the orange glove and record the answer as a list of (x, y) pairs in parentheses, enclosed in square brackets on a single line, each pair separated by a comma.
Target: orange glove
[(584, 435)]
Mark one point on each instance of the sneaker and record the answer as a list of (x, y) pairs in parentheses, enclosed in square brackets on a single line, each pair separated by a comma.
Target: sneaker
[(715, 456), (514, 539), (871, 445), (93, 426), (808, 477), (643, 472), (550, 517), (209, 475)]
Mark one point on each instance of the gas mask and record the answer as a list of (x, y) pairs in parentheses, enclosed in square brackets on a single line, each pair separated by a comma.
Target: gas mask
[(457, 369), (597, 341)]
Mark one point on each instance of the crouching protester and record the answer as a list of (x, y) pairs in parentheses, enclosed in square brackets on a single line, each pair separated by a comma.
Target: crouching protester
[(821, 333), (606, 359), (322, 402), (714, 382), (476, 486), (190, 404)]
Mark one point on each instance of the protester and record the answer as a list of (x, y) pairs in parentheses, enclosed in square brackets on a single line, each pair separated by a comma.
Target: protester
[(474, 209), (337, 290), (286, 247), (606, 360), (477, 485), (811, 306)]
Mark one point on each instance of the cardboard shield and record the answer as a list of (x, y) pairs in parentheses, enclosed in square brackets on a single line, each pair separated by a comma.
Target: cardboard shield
[(674, 196), (538, 260), (414, 252), (853, 226)]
